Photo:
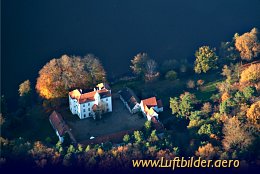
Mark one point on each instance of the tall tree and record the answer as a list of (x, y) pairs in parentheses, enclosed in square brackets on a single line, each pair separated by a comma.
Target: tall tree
[(151, 69), (59, 75), (248, 45), (236, 137), (205, 59), (139, 63)]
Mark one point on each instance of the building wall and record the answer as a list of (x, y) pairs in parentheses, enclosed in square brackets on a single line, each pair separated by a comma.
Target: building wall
[(84, 110)]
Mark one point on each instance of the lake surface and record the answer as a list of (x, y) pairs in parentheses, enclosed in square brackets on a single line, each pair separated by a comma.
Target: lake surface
[(35, 31)]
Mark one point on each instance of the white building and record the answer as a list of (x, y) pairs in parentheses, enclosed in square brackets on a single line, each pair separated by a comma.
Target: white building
[(150, 108), (85, 105)]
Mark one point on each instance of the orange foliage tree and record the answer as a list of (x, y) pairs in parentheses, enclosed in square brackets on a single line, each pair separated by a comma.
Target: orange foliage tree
[(248, 45), (60, 75)]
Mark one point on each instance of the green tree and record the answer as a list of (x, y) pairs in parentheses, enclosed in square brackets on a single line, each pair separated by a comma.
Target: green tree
[(248, 92), (138, 135), (184, 105), (153, 137), (206, 129), (205, 59), (171, 75), (126, 138)]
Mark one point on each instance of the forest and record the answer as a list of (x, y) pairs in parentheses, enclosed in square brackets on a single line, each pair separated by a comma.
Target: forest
[(212, 109)]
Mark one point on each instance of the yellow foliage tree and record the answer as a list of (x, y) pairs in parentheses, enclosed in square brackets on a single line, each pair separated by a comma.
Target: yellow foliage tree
[(251, 74), (253, 113)]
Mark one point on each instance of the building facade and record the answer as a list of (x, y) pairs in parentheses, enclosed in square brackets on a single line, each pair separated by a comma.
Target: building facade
[(85, 105)]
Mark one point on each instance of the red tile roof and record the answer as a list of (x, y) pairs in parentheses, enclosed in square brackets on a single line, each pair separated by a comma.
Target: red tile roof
[(150, 102), (83, 98), (58, 123)]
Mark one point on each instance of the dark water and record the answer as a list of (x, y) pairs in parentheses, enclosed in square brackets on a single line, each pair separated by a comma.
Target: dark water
[(35, 31)]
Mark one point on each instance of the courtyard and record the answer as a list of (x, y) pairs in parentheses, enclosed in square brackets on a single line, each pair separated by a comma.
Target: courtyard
[(120, 119)]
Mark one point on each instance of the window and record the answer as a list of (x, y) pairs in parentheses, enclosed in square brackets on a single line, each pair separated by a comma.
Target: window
[(107, 99), (83, 105), (89, 114), (84, 110), (84, 115), (107, 109), (88, 109), (88, 104)]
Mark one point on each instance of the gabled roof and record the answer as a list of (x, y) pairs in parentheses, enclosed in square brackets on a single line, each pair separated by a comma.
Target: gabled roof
[(129, 96), (89, 96), (150, 102), (58, 123)]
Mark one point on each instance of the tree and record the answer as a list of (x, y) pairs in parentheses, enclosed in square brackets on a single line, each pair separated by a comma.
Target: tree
[(248, 45), (126, 138), (207, 151), (235, 135), (60, 75), (183, 106), (171, 75), (206, 108), (251, 74), (153, 137), (138, 135), (2, 119), (191, 84), (248, 92), (151, 70), (253, 113), (24, 88), (227, 73), (205, 59), (206, 129), (139, 63)]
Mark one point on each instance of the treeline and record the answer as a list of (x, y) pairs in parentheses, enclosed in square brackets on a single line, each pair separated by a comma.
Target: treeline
[(227, 124), (145, 144)]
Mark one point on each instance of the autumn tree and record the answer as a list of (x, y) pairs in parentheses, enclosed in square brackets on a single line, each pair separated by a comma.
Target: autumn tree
[(139, 63), (253, 113), (251, 74), (205, 59), (60, 75), (24, 88), (151, 70), (227, 73), (144, 66), (235, 135), (207, 151), (248, 45)]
